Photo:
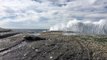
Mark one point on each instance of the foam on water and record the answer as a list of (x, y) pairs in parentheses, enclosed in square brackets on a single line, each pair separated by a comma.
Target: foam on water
[(87, 27)]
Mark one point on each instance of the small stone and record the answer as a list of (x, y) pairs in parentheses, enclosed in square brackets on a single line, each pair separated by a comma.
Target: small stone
[(25, 54), (51, 57), (36, 50), (33, 48)]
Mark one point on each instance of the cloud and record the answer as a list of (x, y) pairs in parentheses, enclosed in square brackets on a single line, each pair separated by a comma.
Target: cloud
[(45, 13)]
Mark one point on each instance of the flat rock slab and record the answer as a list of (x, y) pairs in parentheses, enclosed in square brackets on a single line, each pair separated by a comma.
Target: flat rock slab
[(9, 42), (54, 47), (7, 34), (5, 30)]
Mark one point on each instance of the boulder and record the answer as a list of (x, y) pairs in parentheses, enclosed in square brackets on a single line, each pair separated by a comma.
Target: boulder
[(33, 38)]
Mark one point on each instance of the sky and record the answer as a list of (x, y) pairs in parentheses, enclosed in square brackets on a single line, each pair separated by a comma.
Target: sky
[(42, 14)]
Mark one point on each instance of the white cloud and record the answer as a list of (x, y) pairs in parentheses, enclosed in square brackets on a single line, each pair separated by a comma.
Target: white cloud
[(51, 11)]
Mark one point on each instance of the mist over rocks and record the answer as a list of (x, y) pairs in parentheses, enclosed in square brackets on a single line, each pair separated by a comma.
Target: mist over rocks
[(87, 27)]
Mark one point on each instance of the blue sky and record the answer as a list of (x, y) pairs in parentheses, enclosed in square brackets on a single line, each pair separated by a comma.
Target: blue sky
[(39, 14)]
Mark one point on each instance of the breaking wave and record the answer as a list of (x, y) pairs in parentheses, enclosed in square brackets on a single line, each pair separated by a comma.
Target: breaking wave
[(87, 27)]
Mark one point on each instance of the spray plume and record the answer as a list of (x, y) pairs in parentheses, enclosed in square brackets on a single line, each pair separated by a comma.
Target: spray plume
[(87, 27)]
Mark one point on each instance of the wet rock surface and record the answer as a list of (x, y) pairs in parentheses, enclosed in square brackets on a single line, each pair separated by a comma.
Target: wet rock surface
[(53, 47)]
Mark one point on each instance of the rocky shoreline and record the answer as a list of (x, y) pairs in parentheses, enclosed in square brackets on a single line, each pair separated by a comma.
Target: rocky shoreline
[(24, 46)]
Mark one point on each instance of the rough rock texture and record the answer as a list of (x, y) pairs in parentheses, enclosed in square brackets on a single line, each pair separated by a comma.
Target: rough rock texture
[(5, 30), (33, 38), (53, 47)]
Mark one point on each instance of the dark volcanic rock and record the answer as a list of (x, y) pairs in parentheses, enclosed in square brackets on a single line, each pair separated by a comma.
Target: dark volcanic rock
[(33, 38)]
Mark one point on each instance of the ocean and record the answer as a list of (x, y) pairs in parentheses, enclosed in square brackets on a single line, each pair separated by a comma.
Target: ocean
[(30, 30)]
